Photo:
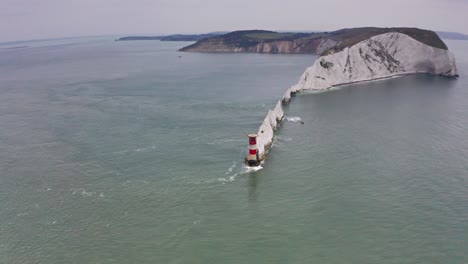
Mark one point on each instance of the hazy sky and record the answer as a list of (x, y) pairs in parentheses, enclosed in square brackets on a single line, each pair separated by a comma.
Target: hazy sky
[(37, 19)]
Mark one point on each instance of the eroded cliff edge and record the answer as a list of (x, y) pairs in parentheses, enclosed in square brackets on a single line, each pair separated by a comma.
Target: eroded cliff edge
[(262, 41), (381, 56)]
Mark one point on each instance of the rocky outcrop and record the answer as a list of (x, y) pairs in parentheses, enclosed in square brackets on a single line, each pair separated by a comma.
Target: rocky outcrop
[(266, 131), (381, 56)]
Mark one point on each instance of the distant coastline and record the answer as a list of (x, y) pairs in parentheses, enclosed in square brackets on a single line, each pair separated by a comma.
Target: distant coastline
[(320, 43), (274, 42), (175, 37), (452, 35)]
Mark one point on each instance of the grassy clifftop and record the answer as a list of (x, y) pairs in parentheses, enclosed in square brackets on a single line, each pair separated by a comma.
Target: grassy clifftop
[(276, 42), (351, 36)]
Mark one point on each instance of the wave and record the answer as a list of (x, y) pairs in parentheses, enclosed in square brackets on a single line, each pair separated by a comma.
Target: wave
[(125, 151), (294, 119), (84, 193), (222, 141), (283, 138), (231, 176)]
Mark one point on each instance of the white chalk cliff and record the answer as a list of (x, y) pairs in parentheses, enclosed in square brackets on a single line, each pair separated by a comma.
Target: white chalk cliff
[(381, 56), (266, 131)]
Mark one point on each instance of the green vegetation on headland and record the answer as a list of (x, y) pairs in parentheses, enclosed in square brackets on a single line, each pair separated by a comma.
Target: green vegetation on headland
[(263, 41), (351, 36)]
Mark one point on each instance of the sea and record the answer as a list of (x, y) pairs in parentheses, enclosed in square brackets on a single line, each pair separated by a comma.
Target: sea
[(132, 152)]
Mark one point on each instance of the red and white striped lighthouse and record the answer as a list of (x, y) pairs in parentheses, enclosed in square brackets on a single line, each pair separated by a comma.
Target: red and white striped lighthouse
[(252, 159)]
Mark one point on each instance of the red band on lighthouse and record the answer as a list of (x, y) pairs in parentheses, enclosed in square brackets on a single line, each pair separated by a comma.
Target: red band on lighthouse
[(253, 152)]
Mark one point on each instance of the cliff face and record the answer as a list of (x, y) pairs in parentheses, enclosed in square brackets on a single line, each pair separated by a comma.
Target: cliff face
[(381, 56), (266, 131), (260, 41), (297, 46)]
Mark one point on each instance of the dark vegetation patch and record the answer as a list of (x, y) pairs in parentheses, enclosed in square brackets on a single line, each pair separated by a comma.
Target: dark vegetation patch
[(248, 38), (308, 41), (326, 64), (351, 36)]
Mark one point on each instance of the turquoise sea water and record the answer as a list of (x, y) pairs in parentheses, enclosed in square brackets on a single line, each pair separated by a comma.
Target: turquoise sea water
[(130, 152)]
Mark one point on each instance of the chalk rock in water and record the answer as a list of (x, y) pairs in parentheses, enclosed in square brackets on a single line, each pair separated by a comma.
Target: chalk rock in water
[(381, 56), (266, 131)]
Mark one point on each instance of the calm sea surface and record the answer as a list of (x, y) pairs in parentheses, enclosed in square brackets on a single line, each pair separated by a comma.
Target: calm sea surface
[(130, 152)]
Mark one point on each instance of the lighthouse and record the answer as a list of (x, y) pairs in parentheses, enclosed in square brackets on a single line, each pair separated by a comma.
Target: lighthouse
[(252, 159)]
